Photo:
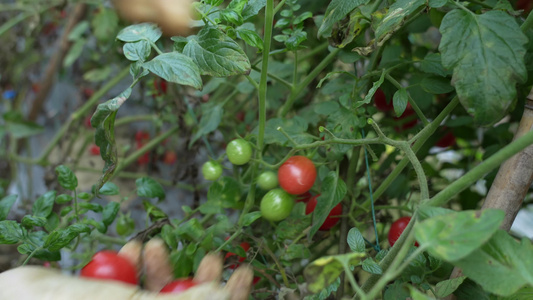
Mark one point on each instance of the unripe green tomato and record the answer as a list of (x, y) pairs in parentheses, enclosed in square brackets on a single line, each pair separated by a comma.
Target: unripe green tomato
[(267, 180), (239, 152), (125, 225), (276, 205), (211, 170)]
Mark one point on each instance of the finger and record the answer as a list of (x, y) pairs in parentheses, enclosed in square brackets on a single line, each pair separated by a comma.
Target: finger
[(239, 284), (132, 251), (157, 266), (210, 269)]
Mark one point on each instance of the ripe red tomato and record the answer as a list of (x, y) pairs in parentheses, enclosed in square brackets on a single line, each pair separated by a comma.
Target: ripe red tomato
[(142, 136), (240, 116), (245, 246), (297, 175), (276, 205), (397, 228), (178, 286), (111, 266), (332, 218), (407, 114), (94, 150), (446, 141), (526, 5), (380, 101), (170, 157), (160, 86)]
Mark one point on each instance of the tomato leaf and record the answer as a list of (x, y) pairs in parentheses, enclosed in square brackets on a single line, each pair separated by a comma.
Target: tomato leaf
[(395, 17), (105, 24), (455, 235), (333, 191), (62, 237), (135, 51), (325, 270), (447, 287), (356, 241), (224, 193), (252, 8), (432, 64), (486, 53), (296, 128), (216, 54), (109, 189), (175, 67), (5, 205), (399, 100), (110, 212), (29, 221), (292, 227), (149, 188), (296, 251), (249, 218), (501, 266), (66, 178), (192, 229), (138, 32), (154, 212), (371, 266), (11, 232), (211, 117), (250, 37), (336, 11)]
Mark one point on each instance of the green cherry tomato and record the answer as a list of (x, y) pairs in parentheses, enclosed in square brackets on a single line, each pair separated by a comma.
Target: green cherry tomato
[(125, 225), (239, 152), (211, 170), (276, 205), (267, 180)]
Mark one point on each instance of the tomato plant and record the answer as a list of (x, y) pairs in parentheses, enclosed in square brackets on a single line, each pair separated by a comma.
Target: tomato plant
[(276, 205), (239, 152), (333, 216), (109, 265), (297, 175), (178, 286), (397, 229), (211, 170)]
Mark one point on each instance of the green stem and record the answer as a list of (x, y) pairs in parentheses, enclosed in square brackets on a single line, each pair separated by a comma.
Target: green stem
[(480, 170), (278, 7), (411, 101), (314, 51), (528, 23), (277, 78), (155, 47), (295, 69), (352, 281), (252, 81), (307, 80), (135, 118)]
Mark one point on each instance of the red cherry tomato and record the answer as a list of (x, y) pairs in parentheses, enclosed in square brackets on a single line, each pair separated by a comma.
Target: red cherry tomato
[(178, 286), (110, 266), (87, 122), (160, 86), (240, 116), (446, 141), (526, 5), (331, 220), (397, 228), (245, 246), (407, 114), (94, 150), (142, 136), (297, 175), (304, 197), (380, 101), (170, 157)]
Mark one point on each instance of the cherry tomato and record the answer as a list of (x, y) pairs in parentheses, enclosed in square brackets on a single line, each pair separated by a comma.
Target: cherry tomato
[(409, 114), (142, 136), (111, 266), (380, 101), (125, 225), (446, 141), (397, 228), (160, 86), (239, 152), (245, 246), (211, 170), (526, 5), (331, 220), (178, 286), (267, 180), (297, 175), (304, 197), (240, 116), (170, 157), (276, 205), (94, 150), (87, 122)]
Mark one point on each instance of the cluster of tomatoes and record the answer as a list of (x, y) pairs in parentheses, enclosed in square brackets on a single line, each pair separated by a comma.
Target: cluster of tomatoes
[(109, 265)]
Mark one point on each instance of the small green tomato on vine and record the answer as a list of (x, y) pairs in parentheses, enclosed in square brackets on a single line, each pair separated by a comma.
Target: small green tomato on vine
[(211, 170), (239, 152), (276, 205), (267, 180)]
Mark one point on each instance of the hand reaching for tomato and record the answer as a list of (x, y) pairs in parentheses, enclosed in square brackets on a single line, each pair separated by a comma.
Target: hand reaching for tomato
[(34, 282)]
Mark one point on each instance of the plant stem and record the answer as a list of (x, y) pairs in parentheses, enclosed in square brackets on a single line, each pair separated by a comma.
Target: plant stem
[(528, 23), (275, 77), (480, 170), (307, 80), (419, 113)]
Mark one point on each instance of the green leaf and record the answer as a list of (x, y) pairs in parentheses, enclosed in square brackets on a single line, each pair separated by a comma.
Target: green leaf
[(149, 188), (63, 198), (216, 54), (371, 266), (191, 229), (417, 295), (447, 287), (325, 270), (296, 251), (325, 293), (399, 100), (42, 207), (292, 227), (486, 53), (137, 50), (33, 221), (98, 74), (167, 234), (432, 64), (224, 193), (5, 205), (11, 232), (78, 31), (109, 189), (250, 37), (74, 53), (110, 212), (175, 67), (18, 128), (336, 11), (356, 241), (66, 178), (137, 32), (47, 255), (62, 237), (90, 206), (52, 222), (436, 85), (105, 24), (252, 8), (104, 122), (502, 266), (333, 191), (437, 3), (395, 17), (455, 235), (211, 117), (182, 264), (154, 212), (249, 218), (296, 128), (426, 212), (370, 95)]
